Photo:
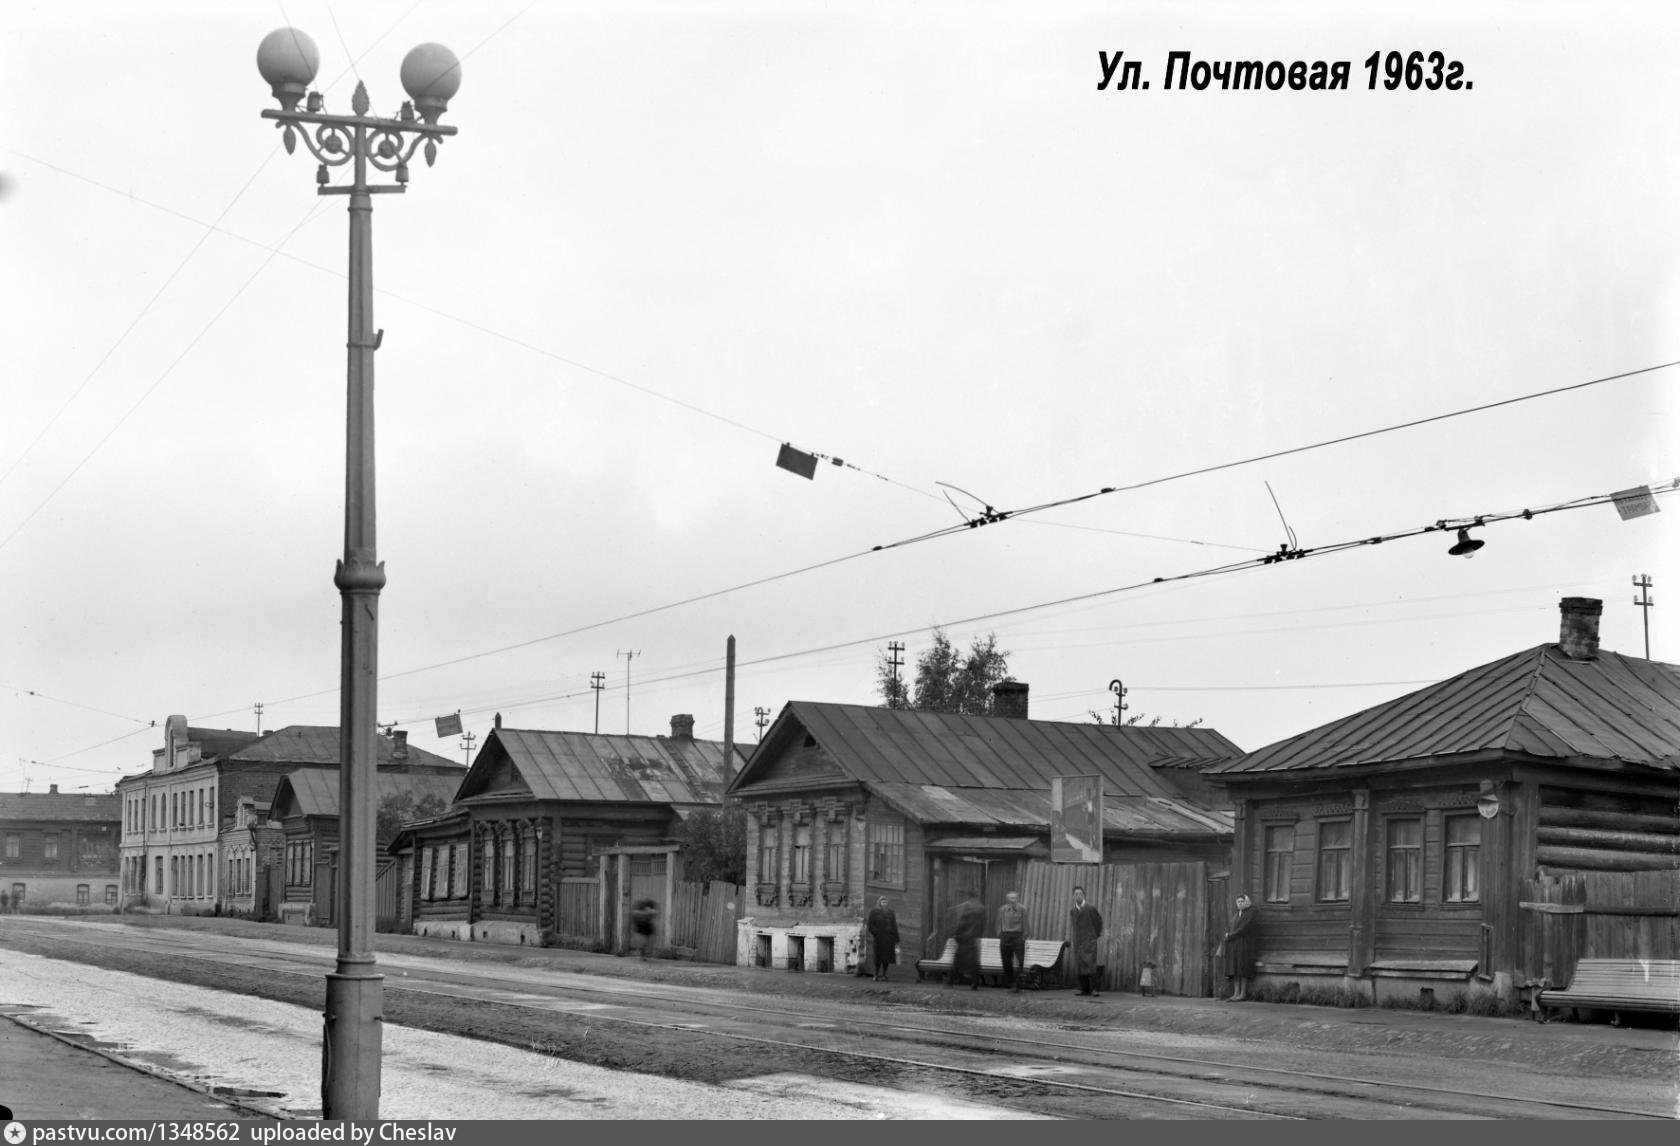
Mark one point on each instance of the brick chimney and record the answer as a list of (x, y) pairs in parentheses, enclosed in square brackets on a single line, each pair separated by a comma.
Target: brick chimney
[(399, 744), (52, 789), (1578, 639), (1009, 698), (682, 726)]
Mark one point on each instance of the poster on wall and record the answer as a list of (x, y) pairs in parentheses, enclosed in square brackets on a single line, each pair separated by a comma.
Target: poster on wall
[(1076, 819)]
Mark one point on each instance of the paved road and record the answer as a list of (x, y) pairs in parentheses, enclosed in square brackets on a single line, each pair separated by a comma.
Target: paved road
[(1094, 1070)]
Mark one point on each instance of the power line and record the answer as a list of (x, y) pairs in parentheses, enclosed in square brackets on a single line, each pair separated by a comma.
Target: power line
[(168, 370), (209, 229), (1250, 565), (992, 516)]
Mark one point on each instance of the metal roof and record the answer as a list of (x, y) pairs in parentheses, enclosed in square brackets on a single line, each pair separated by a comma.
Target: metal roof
[(314, 791), (1024, 808), (318, 744), (1539, 702), (604, 768), (63, 806), (947, 750)]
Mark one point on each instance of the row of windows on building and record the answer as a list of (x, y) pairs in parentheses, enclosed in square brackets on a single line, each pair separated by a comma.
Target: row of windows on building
[(1461, 842), (19, 894), (189, 808), (93, 850), (190, 876), (509, 878), (883, 851)]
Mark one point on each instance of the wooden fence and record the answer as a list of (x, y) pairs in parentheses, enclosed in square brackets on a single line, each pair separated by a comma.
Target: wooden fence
[(1152, 912), (579, 908), (388, 891), (1553, 924), (1632, 914), (702, 919)]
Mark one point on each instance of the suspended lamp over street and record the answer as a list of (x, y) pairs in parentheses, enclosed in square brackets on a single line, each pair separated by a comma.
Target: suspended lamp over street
[(431, 75), (1466, 545)]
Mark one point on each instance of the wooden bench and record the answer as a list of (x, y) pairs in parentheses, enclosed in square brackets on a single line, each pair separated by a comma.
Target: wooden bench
[(1041, 962), (1617, 985)]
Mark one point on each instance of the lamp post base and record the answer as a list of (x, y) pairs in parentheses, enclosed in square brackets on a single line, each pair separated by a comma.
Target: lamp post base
[(350, 1049)]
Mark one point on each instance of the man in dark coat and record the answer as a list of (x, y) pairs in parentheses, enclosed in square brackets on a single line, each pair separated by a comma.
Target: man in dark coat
[(882, 926), (1085, 927), (968, 923)]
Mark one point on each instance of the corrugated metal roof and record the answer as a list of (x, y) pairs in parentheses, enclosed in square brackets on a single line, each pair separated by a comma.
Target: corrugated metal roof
[(62, 806), (314, 791), (1538, 702), (946, 750), (599, 767), (318, 744)]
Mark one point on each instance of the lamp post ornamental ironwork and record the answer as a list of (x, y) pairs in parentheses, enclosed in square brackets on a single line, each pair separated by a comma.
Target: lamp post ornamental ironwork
[(288, 60)]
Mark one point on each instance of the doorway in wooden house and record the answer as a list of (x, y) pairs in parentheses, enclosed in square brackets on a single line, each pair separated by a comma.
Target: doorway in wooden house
[(646, 880)]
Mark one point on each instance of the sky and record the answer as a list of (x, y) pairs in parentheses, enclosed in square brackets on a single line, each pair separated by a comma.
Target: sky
[(915, 237)]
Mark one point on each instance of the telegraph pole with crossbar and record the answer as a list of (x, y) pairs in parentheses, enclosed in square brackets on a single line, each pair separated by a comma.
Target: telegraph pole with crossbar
[(895, 661), (597, 681), (763, 720), (1645, 601), (466, 746)]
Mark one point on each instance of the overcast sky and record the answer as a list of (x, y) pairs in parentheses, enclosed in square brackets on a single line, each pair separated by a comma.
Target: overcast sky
[(916, 237)]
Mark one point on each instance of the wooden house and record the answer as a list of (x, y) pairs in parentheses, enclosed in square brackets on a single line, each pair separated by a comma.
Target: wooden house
[(1435, 843), (306, 806), (849, 803), (557, 834)]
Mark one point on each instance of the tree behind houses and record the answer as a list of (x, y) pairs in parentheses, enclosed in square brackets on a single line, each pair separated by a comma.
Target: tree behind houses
[(946, 678), (714, 844), (401, 808)]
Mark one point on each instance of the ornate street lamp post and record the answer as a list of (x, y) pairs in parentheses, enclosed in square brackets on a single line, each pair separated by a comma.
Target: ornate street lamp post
[(431, 74)]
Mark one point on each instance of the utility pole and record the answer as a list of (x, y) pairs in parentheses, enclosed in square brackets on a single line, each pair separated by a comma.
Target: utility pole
[(1645, 601), (258, 708), (763, 720), (1119, 690), (466, 746), (597, 681), (627, 655), (729, 709), (894, 661)]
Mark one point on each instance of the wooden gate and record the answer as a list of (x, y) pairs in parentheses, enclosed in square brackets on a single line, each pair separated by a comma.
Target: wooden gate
[(388, 889)]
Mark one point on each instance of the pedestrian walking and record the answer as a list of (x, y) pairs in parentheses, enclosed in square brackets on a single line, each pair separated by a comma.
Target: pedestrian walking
[(5, 902), (882, 926), (1085, 927), (1239, 945), (643, 920), (968, 921), (1012, 940)]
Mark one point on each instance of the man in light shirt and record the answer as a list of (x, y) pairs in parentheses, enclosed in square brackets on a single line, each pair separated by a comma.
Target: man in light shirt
[(1012, 939)]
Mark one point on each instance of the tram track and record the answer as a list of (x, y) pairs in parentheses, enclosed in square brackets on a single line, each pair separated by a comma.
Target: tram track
[(1021, 1070)]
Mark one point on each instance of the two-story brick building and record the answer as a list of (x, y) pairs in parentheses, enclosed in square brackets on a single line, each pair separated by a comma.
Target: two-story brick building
[(174, 814), (59, 849)]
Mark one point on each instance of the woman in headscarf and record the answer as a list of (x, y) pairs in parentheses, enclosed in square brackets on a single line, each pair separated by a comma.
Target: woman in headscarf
[(882, 926), (1239, 946)]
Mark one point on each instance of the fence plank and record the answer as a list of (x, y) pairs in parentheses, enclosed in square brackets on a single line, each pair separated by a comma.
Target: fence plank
[(579, 914)]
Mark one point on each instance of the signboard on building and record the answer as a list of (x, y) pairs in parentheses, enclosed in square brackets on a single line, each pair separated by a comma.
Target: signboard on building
[(1076, 817)]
